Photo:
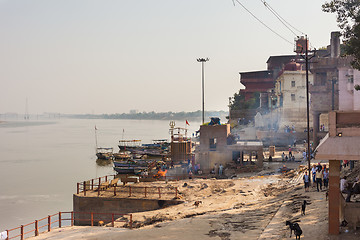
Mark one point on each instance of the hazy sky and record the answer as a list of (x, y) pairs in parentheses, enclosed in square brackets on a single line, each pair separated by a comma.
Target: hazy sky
[(111, 56)]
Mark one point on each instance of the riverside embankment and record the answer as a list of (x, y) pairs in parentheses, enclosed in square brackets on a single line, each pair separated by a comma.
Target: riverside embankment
[(250, 207)]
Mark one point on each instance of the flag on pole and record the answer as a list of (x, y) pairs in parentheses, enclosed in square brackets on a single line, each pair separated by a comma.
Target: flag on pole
[(187, 123), (95, 127)]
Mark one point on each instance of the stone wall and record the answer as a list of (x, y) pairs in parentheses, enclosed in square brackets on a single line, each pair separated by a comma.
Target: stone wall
[(114, 205)]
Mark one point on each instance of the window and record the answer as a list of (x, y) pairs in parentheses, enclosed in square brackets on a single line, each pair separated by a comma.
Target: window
[(212, 142), (321, 78), (293, 97), (292, 83)]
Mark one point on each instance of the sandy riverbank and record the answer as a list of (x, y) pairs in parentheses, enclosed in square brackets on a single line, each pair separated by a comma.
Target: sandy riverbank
[(244, 208), (248, 207)]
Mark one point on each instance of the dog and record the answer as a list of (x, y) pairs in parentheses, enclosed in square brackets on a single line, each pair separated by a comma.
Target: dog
[(294, 227), (197, 203), (101, 223), (327, 194), (303, 207)]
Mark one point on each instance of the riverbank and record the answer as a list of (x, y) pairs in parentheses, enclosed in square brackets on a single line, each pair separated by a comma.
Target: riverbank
[(250, 207)]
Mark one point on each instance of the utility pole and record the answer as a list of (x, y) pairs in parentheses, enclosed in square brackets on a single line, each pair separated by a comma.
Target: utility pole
[(307, 104), (229, 108), (300, 49), (203, 60)]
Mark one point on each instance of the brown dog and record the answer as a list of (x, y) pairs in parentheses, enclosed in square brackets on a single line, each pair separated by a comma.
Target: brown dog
[(197, 203), (327, 194)]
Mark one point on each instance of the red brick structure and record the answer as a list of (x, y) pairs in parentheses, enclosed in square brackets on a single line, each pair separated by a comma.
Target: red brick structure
[(258, 81), (264, 81)]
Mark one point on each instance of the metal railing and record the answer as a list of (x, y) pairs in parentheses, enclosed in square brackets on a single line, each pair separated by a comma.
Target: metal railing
[(128, 191), (61, 219), (103, 185), (93, 183)]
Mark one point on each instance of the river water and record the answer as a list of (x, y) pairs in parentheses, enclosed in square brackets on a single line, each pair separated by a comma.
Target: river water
[(42, 160)]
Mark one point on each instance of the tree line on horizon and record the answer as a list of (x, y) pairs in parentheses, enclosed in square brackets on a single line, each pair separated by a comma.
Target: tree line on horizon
[(153, 115)]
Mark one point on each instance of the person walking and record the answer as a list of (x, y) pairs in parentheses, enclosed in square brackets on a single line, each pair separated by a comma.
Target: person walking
[(313, 171), (306, 181), (290, 153), (304, 155), (326, 178), (221, 169), (216, 169), (319, 177), (319, 167)]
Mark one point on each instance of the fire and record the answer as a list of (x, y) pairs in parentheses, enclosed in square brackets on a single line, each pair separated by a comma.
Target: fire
[(160, 173)]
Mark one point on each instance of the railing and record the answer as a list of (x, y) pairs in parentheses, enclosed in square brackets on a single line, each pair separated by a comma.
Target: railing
[(91, 184), (102, 185), (132, 191), (61, 219)]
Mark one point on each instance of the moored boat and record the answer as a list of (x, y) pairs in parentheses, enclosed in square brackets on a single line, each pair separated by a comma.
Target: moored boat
[(130, 169), (129, 144), (104, 153), (123, 155)]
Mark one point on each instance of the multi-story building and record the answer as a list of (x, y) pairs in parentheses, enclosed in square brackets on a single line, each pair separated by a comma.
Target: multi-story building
[(289, 98), (333, 86), (263, 81)]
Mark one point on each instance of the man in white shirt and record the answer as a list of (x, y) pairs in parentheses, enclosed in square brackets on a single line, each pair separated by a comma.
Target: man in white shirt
[(343, 185)]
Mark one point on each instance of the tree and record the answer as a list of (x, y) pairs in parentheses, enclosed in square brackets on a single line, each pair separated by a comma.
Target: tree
[(238, 102), (348, 19)]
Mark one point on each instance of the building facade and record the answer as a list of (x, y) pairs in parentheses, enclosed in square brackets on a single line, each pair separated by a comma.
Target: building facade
[(290, 97)]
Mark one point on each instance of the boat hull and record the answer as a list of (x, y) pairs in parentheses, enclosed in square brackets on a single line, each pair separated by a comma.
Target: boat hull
[(129, 170), (104, 156)]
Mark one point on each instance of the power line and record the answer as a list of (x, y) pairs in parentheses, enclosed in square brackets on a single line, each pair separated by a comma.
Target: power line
[(281, 19), (263, 23)]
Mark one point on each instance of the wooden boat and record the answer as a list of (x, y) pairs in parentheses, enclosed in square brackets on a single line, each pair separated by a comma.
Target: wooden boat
[(159, 148), (123, 155), (104, 153), (130, 169), (130, 163), (139, 156), (130, 166), (129, 144)]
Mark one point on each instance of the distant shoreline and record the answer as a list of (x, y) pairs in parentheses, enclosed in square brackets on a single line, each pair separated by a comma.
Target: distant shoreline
[(190, 116), (194, 116)]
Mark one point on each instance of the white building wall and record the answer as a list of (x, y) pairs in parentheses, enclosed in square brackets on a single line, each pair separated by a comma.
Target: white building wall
[(346, 89), (349, 98), (293, 111), (356, 93)]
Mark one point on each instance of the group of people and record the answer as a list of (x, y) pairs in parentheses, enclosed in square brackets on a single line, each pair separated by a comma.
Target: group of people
[(320, 176), (193, 168), (285, 157), (349, 189), (288, 129), (217, 170), (304, 154)]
